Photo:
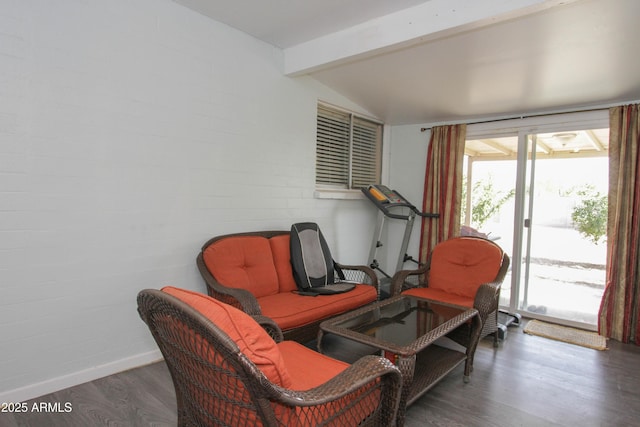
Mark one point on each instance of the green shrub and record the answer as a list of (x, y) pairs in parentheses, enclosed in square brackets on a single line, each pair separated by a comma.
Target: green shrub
[(485, 201), (590, 213)]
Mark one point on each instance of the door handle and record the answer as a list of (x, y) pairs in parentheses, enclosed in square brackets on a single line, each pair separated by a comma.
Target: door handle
[(527, 223)]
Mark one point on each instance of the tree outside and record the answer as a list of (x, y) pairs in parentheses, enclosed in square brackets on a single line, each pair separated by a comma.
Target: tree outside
[(486, 201)]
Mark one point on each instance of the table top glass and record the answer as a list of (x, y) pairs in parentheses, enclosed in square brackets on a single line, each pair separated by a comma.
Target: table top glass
[(400, 321)]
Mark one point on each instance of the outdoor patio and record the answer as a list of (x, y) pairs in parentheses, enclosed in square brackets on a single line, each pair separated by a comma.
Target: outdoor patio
[(566, 277)]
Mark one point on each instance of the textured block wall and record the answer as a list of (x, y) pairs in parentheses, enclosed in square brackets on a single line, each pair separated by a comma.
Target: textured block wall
[(131, 131)]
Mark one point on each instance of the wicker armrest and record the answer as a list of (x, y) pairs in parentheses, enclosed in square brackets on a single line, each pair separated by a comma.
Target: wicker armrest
[(270, 326), (239, 298), (398, 279), (486, 299), (368, 371), (359, 273)]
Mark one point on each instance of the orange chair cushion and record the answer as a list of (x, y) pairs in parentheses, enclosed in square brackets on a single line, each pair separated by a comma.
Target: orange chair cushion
[(244, 262), (250, 337), (290, 310), (308, 368), (280, 247), (460, 265), (438, 295)]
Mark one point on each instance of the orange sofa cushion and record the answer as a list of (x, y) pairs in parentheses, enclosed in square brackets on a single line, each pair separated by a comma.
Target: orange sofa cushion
[(280, 247), (252, 340), (244, 262), (460, 265), (290, 310)]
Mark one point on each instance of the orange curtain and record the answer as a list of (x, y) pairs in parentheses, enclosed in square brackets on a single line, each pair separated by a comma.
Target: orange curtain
[(619, 316), (442, 186)]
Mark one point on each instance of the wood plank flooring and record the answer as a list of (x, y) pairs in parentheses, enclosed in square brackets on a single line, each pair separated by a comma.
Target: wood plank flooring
[(528, 381)]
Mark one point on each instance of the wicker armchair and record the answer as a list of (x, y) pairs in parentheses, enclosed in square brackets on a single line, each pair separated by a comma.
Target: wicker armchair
[(235, 382), (466, 271), (249, 299)]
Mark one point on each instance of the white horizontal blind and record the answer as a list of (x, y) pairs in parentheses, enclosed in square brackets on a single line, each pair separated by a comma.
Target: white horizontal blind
[(348, 149), (332, 147), (366, 153)]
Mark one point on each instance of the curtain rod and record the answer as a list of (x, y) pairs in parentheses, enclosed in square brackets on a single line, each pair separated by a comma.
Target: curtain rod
[(526, 116)]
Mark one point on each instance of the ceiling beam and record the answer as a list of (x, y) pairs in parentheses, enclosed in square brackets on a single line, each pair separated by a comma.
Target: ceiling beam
[(594, 140), (431, 20), (544, 147), (469, 152), (496, 146)]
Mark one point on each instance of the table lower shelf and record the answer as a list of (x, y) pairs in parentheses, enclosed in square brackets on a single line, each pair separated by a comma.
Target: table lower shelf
[(432, 364)]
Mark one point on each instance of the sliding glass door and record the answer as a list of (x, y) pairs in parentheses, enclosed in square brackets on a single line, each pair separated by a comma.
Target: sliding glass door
[(564, 227), (542, 197)]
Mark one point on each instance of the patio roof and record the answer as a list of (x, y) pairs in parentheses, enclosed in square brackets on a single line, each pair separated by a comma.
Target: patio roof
[(574, 144)]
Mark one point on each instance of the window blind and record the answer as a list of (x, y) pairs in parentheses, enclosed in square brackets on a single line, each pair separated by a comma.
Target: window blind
[(348, 149)]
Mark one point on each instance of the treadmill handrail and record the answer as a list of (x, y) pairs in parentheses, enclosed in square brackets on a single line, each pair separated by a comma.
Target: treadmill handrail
[(386, 211), (427, 214)]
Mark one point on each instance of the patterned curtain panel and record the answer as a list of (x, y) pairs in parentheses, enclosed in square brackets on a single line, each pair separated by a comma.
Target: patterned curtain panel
[(442, 186), (620, 308)]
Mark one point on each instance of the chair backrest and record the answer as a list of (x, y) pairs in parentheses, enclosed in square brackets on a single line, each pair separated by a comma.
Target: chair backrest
[(460, 265), (257, 262), (244, 262), (221, 370)]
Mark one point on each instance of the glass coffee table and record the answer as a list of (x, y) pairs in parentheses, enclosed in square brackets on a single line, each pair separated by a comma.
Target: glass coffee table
[(404, 329)]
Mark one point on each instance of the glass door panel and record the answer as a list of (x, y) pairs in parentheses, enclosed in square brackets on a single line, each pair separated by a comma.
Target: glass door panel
[(488, 211), (566, 225), (542, 198)]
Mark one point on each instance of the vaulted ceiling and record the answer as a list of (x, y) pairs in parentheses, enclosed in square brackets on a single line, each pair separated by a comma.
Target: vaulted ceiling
[(412, 61)]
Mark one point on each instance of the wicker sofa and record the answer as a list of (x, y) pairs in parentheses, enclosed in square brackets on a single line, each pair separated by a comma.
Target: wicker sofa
[(252, 272)]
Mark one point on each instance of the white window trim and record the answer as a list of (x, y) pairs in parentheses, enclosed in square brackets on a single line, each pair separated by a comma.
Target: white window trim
[(326, 193)]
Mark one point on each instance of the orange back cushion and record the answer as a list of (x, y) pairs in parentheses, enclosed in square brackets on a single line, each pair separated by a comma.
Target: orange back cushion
[(280, 246), (244, 262), (250, 337), (460, 265)]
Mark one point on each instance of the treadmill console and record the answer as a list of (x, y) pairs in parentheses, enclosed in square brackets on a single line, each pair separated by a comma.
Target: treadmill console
[(381, 194)]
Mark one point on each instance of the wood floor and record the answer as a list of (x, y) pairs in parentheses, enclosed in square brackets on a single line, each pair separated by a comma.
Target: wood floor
[(528, 381)]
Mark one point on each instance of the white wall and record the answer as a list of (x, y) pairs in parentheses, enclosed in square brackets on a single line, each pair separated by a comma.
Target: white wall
[(407, 166), (131, 131)]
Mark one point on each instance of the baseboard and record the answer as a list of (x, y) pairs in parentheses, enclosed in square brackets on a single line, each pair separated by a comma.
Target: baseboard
[(33, 391)]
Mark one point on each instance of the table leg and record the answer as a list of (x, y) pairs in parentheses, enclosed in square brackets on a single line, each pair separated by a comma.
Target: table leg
[(319, 341), (407, 367), (476, 330)]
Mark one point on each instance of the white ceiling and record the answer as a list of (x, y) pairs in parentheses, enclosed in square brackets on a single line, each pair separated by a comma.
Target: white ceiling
[(412, 61)]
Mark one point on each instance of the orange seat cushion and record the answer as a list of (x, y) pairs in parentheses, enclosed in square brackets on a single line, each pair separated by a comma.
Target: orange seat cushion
[(460, 265), (439, 295), (290, 310), (252, 340), (244, 262), (308, 368), (280, 247)]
